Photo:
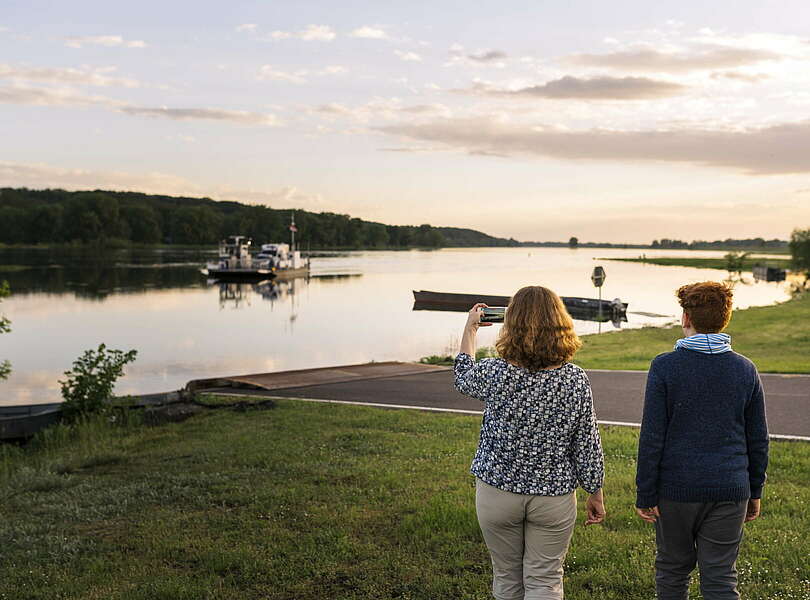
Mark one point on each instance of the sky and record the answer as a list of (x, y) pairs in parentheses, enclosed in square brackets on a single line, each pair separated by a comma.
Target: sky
[(621, 121)]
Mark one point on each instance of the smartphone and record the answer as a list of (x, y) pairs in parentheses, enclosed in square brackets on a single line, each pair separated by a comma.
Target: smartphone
[(493, 314)]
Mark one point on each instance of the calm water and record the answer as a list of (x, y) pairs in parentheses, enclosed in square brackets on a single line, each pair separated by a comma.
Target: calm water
[(355, 308)]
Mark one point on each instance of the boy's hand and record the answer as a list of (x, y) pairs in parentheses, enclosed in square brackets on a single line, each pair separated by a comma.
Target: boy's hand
[(648, 514), (752, 512)]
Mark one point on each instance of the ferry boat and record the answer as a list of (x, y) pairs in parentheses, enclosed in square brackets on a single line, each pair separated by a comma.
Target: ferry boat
[(282, 260), (235, 262)]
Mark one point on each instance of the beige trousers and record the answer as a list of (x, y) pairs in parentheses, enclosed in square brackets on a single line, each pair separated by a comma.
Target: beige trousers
[(528, 538)]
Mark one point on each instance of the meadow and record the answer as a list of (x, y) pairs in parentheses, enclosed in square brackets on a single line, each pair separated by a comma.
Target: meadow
[(776, 338), (707, 263), (311, 501)]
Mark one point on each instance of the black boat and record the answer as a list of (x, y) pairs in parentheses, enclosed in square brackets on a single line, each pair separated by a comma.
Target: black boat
[(764, 273), (21, 422), (583, 309)]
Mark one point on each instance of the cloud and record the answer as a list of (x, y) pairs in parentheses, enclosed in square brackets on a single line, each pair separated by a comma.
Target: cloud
[(595, 88), (776, 149), (40, 96), (334, 70), (251, 27), (99, 76), (380, 108), (319, 33), (492, 58), (368, 32), (270, 73), (208, 114), (408, 56), (747, 77), (649, 59), (487, 56), (39, 176), (103, 40)]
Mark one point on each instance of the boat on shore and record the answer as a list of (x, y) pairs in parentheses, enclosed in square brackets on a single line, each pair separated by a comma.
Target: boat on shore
[(583, 309), (22, 422)]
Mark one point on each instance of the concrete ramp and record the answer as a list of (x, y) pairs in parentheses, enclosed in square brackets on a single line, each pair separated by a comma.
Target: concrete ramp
[(309, 377)]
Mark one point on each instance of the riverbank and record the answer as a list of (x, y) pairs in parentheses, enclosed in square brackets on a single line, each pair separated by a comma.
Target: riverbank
[(313, 501), (776, 338), (706, 263)]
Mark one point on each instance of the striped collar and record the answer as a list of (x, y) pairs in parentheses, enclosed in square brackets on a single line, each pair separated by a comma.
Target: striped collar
[(708, 343)]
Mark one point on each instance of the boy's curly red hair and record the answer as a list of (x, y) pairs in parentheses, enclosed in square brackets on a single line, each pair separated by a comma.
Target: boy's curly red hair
[(708, 305)]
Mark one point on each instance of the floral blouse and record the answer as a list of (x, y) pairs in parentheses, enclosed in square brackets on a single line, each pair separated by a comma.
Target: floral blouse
[(539, 433)]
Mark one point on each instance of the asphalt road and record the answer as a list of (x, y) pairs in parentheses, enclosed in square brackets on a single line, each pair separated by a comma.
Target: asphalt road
[(618, 395)]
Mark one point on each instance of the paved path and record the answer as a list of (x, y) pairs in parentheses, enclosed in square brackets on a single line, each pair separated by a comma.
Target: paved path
[(618, 395)]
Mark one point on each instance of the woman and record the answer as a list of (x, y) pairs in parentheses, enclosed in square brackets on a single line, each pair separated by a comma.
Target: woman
[(539, 440)]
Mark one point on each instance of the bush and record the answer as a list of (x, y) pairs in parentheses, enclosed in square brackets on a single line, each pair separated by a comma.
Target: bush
[(5, 327), (89, 384)]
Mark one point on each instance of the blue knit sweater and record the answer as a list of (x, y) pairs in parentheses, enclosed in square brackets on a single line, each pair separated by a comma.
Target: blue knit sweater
[(704, 437)]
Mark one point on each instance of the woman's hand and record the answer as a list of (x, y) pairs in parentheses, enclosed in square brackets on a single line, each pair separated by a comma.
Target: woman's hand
[(595, 508), (474, 317)]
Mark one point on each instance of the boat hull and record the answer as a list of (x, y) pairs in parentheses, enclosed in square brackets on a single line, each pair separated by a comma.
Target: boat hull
[(585, 309), (239, 274), (21, 422)]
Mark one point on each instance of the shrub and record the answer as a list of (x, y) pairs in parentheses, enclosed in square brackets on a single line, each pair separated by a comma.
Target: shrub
[(5, 327), (89, 384)]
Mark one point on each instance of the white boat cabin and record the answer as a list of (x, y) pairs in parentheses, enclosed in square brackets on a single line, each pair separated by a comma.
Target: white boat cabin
[(280, 257), (234, 253)]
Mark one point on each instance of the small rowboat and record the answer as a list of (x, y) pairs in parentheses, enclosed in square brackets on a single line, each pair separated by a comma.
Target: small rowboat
[(584, 309), (20, 422)]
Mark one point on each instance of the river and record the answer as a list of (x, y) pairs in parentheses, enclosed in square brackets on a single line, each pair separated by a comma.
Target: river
[(355, 307)]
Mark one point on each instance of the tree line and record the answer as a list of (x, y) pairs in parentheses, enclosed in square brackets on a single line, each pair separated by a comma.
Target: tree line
[(743, 244), (58, 216)]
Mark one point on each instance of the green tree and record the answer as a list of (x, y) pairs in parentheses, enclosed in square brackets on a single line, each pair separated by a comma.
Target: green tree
[(12, 225), (735, 261), (5, 327), (573, 242), (800, 252), (89, 384), (143, 223)]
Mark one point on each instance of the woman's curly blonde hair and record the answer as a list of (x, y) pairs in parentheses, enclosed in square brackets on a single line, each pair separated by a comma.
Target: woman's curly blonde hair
[(537, 331)]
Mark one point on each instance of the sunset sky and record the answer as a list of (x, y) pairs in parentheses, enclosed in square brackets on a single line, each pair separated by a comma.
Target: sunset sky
[(611, 121)]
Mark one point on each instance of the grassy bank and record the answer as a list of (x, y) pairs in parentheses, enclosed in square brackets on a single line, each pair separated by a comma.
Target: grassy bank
[(706, 263), (311, 501), (776, 338)]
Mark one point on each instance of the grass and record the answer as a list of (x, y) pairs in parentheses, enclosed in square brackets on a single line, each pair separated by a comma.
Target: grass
[(310, 501), (776, 338), (707, 263)]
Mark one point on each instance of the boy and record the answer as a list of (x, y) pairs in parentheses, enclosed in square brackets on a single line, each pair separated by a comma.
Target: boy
[(703, 450)]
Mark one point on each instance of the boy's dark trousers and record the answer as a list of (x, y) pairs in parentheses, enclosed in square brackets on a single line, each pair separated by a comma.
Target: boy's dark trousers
[(706, 533)]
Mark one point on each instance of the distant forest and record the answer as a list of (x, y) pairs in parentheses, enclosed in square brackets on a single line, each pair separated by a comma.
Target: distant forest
[(107, 217), (58, 216)]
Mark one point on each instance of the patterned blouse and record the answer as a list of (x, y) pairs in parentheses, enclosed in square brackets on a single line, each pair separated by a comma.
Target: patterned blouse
[(539, 433)]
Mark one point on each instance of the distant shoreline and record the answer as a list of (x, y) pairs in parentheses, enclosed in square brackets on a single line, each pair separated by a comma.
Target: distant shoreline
[(120, 245)]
